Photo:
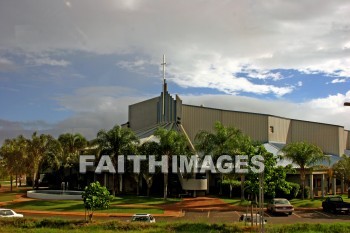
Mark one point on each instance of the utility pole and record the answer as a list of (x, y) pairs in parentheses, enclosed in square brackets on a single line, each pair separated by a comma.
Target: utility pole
[(261, 202)]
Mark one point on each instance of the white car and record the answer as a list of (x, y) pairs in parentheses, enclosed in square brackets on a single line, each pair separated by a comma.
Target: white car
[(7, 213), (143, 218), (247, 219), (280, 205)]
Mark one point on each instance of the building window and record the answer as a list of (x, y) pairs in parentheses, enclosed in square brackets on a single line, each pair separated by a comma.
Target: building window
[(271, 129)]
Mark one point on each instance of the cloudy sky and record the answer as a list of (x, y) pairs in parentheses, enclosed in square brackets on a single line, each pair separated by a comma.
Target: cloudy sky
[(76, 65)]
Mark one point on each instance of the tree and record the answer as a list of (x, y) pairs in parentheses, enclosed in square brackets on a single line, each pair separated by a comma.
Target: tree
[(304, 155), (171, 143), (147, 149), (42, 151), (342, 168), (274, 177), (232, 180), (223, 141), (95, 197), (117, 141), (13, 153), (231, 141), (72, 145)]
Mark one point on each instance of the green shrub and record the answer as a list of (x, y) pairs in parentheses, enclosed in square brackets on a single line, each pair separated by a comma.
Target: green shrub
[(293, 192), (310, 228), (40, 223), (306, 192)]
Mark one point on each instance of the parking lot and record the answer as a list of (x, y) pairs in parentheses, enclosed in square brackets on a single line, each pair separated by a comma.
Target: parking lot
[(307, 216), (314, 216)]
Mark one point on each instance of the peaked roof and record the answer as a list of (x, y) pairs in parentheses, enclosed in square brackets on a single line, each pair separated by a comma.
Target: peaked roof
[(147, 134), (275, 149)]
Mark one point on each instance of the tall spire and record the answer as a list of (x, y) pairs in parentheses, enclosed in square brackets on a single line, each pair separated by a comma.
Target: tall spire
[(163, 64), (164, 85)]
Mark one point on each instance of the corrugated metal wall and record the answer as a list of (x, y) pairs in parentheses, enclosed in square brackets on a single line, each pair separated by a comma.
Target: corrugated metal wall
[(196, 118), (347, 139), (330, 138), (279, 128), (264, 128), (251, 124), (327, 137), (143, 114)]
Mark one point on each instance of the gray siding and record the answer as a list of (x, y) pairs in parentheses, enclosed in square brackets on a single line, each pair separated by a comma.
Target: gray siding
[(196, 118), (143, 114), (281, 129), (347, 139), (327, 137)]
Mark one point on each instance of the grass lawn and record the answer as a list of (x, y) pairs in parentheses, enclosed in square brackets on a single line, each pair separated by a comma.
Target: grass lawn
[(151, 204), (235, 201), (10, 196), (7, 196), (143, 200), (313, 203), (76, 206), (310, 203)]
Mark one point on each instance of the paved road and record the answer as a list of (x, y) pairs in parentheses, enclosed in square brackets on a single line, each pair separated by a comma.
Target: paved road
[(309, 216)]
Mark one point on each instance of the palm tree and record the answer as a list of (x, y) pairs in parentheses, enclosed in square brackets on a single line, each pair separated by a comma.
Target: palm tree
[(223, 141), (147, 149), (72, 145), (171, 142), (13, 153), (342, 168), (117, 141), (43, 151), (304, 155)]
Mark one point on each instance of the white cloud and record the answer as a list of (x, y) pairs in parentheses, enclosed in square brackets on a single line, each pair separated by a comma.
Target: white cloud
[(68, 3), (6, 64), (139, 66), (219, 73), (228, 35), (337, 80), (264, 74), (48, 61)]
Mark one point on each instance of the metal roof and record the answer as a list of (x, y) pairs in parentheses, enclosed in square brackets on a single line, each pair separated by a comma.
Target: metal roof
[(275, 149)]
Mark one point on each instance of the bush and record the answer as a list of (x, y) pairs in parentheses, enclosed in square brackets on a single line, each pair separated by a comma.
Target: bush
[(295, 188), (293, 192), (305, 227), (36, 223), (306, 192)]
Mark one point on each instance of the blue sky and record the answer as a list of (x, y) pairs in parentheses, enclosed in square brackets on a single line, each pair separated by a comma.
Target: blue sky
[(75, 66)]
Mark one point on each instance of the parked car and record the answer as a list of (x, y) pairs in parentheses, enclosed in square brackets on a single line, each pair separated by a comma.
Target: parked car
[(247, 218), (335, 204), (8, 213), (143, 218), (280, 205)]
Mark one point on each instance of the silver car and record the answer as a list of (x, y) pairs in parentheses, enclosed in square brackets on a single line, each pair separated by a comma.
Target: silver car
[(247, 219), (143, 218), (280, 205)]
